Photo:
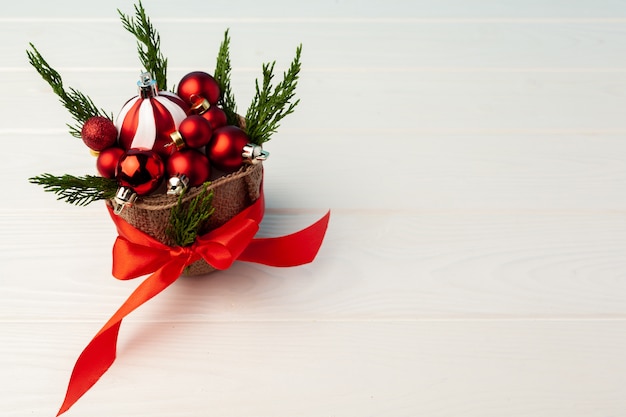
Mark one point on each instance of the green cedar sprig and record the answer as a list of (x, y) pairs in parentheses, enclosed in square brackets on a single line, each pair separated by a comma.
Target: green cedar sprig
[(148, 44), (222, 73), (187, 219), (270, 105), (80, 106), (77, 190)]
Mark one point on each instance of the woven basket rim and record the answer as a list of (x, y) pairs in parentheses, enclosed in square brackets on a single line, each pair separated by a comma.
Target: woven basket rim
[(165, 201)]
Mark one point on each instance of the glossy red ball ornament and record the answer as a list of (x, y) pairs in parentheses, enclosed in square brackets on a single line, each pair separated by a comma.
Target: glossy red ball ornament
[(191, 163), (108, 160), (215, 116), (226, 147), (201, 84), (195, 131), (141, 170), (146, 120), (99, 133)]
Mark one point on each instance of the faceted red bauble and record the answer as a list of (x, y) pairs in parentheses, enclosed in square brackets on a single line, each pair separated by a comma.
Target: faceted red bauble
[(215, 116), (108, 160), (146, 123), (201, 84), (99, 133), (191, 163), (224, 150), (141, 170), (196, 131)]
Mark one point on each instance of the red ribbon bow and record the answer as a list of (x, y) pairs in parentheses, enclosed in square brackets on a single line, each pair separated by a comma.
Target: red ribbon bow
[(136, 254)]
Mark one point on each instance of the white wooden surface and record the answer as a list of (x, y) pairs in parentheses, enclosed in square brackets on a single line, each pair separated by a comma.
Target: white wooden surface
[(472, 153)]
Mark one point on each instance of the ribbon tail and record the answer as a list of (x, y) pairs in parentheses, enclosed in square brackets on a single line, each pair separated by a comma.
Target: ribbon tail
[(97, 357), (291, 250), (100, 353)]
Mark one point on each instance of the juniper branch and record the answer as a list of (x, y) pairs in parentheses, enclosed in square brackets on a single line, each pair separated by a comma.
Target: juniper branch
[(188, 219), (222, 73), (77, 190), (80, 106), (271, 104), (148, 44)]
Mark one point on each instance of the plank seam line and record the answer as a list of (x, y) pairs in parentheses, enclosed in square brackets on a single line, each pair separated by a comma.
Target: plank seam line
[(364, 69), (317, 20), (339, 321), (376, 131)]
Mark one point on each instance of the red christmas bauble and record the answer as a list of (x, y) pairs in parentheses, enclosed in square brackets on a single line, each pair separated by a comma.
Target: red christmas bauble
[(108, 160), (201, 84), (99, 133), (215, 116), (196, 131), (146, 123), (191, 163), (225, 149), (141, 170)]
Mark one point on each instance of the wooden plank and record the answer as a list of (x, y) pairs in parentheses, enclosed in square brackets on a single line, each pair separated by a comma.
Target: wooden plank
[(381, 102), (441, 368), (387, 265), (390, 170), (432, 170), (326, 8), (402, 45)]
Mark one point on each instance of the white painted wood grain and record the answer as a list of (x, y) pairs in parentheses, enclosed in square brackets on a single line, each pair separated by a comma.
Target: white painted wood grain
[(472, 153), (447, 102), (485, 368), (472, 9), (373, 266), (479, 171), (360, 45)]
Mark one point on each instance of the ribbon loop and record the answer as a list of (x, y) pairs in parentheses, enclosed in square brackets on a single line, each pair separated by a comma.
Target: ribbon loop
[(131, 260), (221, 247)]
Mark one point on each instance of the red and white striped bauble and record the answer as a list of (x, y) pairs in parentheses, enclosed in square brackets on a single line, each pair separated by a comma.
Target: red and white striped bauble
[(146, 123)]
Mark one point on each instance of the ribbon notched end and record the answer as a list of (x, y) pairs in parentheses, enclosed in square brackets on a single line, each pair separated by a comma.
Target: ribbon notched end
[(298, 248)]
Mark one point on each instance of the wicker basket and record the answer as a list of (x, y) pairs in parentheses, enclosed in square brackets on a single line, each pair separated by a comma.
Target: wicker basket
[(232, 194)]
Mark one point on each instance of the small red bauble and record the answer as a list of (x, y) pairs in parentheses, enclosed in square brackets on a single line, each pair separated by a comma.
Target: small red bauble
[(201, 84), (225, 149), (108, 160), (196, 131), (215, 116), (141, 170), (99, 133), (191, 163)]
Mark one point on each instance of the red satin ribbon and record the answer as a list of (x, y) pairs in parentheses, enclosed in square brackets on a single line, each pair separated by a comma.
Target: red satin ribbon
[(136, 253)]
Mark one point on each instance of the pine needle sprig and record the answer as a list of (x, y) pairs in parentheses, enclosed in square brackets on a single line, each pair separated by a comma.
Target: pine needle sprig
[(77, 190), (223, 69), (270, 105), (80, 106), (148, 44), (188, 219)]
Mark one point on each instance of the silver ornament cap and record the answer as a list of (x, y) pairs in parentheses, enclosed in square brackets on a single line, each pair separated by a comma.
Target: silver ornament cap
[(177, 184), (124, 197), (146, 86), (254, 153)]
